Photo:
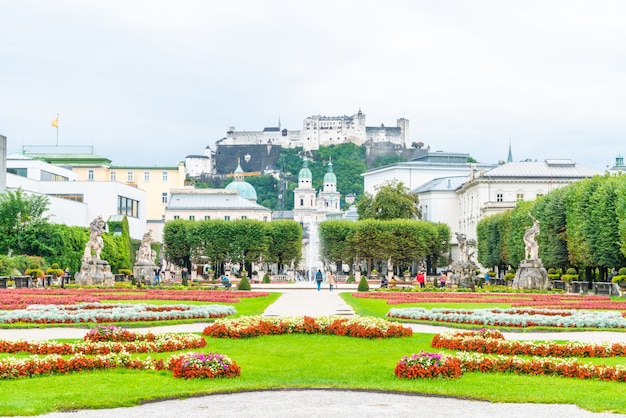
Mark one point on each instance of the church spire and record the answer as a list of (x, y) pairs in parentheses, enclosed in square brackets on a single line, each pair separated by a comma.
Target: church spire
[(509, 159)]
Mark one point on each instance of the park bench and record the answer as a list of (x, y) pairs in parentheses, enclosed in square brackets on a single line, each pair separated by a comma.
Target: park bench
[(604, 288), (4, 281), (579, 287)]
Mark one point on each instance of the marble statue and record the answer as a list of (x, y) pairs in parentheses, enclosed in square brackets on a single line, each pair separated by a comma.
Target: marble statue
[(95, 243), (532, 249), (145, 254)]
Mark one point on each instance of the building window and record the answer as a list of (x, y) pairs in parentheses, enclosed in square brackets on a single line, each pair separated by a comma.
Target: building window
[(265, 219), (499, 197), (244, 217), (113, 176), (127, 206), (130, 176), (164, 175), (48, 176), (301, 202), (22, 172), (146, 176), (74, 197), (176, 217), (164, 197), (90, 175), (520, 196), (207, 218), (227, 218), (192, 218)]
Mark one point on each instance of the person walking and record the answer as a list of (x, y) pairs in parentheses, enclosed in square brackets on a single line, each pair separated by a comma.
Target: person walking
[(318, 278), (157, 276), (185, 275), (421, 279), (331, 280), (442, 279)]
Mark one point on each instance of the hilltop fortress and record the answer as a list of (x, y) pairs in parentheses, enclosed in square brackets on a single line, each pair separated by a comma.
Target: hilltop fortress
[(259, 150)]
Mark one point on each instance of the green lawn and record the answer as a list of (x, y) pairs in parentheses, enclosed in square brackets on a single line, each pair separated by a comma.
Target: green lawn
[(301, 361)]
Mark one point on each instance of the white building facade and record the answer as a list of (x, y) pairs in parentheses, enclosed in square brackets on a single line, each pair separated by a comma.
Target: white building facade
[(74, 202), (488, 192)]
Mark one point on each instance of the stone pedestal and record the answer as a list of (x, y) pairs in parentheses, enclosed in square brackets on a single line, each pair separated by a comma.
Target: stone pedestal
[(144, 272), (95, 272), (531, 275)]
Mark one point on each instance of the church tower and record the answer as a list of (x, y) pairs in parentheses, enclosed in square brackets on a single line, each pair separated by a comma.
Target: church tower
[(329, 199), (305, 202)]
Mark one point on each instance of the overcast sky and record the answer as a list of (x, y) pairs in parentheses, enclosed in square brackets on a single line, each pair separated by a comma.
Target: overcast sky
[(149, 82)]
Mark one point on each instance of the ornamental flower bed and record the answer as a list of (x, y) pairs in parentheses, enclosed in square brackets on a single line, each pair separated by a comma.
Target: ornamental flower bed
[(254, 326), (96, 312), (203, 365), (411, 367), (493, 342), (560, 301), (513, 318), (106, 340), (428, 365), (21, 298), (115, 351), (541, 366), (33, 366)]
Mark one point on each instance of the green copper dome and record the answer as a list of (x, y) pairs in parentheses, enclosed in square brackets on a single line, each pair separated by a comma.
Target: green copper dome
[(305, 172), (330, 177), (245, 189)]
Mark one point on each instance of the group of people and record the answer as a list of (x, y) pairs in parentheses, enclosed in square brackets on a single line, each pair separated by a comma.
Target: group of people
[(420, 278), (330, 277)]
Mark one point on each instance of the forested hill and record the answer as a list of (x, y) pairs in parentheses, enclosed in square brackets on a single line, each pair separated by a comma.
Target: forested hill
[(349, 163)]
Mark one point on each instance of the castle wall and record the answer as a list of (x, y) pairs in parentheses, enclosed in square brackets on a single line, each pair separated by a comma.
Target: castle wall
[(252, 157)]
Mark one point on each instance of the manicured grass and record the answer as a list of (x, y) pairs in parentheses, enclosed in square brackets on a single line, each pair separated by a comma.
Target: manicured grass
[(301, 361)]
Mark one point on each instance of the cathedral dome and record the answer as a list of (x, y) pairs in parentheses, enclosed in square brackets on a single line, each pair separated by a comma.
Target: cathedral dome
[(305, 171), (330, 177), (245, 189)]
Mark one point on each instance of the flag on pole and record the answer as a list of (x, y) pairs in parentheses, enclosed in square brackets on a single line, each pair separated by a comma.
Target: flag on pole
[(55, 122)]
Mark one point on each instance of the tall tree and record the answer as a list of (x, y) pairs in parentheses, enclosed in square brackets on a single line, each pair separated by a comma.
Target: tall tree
[(393, 200), (21, 221)]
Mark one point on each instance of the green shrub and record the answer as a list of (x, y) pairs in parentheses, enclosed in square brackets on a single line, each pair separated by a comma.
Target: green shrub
[(55, 271), (491, 273), (551, 270), (266, 278), (512, 270), (127, 272), (509, 276), (244, 284), (350, 279), (619, 279), (363, 285), (554, 276), (621, 271), (571, 271), (569, 277), (36, 272)]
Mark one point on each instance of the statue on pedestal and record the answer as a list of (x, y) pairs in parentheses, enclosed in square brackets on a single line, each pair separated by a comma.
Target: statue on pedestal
[(94, 270), (145, 257), (531, 274), (532, 249), (95, 243), (463, 270)]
